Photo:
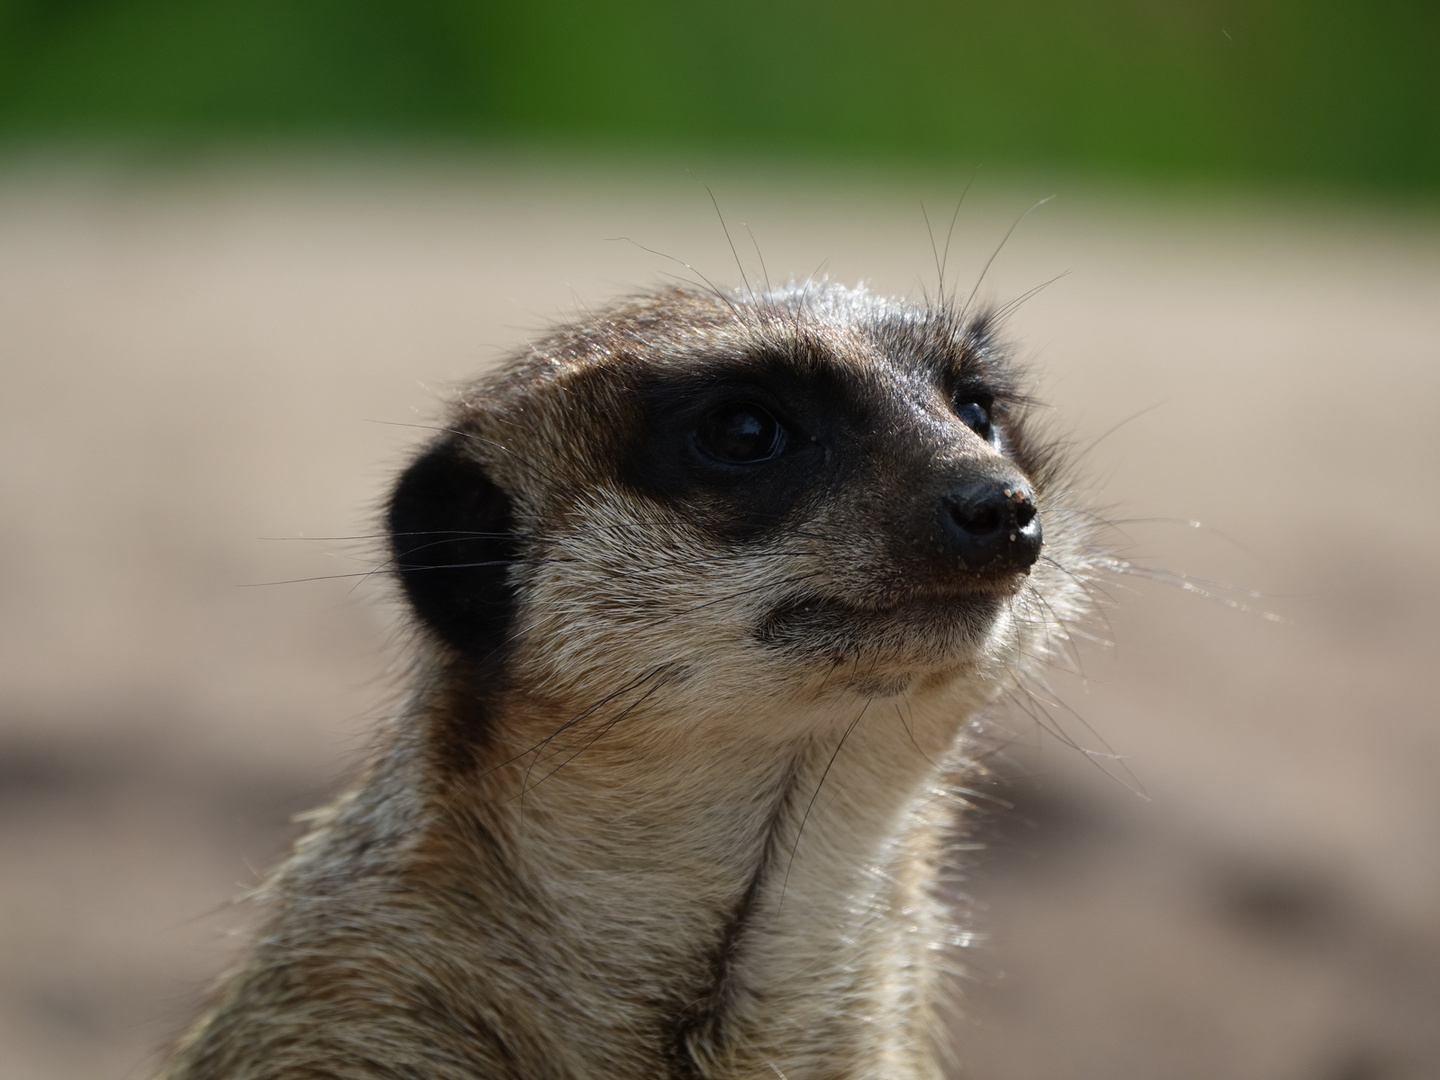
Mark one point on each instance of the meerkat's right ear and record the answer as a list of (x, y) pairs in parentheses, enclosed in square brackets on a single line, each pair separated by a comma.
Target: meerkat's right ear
[(453, 547)]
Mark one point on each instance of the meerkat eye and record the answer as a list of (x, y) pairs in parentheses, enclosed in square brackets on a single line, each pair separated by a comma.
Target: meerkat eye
[(741, 434), (976, 416)]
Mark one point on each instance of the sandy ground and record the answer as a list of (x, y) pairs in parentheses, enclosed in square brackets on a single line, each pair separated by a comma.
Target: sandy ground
[(199, 363)]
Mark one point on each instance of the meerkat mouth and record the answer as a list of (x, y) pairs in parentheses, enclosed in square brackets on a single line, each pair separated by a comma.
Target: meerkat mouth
[(950, 619)]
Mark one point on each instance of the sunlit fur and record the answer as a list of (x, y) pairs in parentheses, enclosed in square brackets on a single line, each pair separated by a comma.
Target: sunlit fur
[(686, 819)]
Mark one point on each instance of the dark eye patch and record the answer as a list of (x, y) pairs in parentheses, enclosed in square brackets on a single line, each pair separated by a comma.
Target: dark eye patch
[(736, 447), (739, 445)]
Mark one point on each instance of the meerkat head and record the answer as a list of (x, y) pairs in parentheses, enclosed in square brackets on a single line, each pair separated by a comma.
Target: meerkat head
[(809, 493)]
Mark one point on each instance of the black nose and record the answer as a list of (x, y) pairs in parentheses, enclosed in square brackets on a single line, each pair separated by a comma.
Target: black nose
[(992, 524)]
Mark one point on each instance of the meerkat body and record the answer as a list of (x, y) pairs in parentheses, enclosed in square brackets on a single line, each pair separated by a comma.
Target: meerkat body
[(708, 589)]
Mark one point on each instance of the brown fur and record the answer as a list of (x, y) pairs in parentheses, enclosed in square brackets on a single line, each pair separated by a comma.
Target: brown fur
[(680, 815)]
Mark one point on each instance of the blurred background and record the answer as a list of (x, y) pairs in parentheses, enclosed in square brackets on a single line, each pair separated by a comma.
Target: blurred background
[(245, 246)]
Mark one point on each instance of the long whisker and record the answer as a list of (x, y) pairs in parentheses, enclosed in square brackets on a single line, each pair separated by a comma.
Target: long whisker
[(1209, 590), (950, 233), (813, 796), (538, 748), (995, 254), (719, 293), (728, 239), (665, 677), (910, 731)]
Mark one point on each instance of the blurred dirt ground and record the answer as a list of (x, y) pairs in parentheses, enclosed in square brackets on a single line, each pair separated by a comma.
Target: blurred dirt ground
[(202, 364)]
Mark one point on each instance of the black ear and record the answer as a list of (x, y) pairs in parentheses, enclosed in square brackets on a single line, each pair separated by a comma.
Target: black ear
[(453, 545)]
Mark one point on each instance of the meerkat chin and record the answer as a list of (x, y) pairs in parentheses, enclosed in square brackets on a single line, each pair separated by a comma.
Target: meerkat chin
[(706, 591)]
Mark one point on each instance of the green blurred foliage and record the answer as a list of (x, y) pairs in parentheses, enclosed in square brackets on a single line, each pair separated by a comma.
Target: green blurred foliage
[(1330, 91)]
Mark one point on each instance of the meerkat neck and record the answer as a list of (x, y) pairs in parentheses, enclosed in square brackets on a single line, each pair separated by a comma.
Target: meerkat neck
[(741, 901), (666, 900)]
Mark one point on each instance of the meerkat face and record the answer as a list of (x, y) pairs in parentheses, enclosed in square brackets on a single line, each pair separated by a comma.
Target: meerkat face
[(787, 495)]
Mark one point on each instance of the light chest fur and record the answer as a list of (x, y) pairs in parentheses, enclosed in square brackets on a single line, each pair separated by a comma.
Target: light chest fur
[(708, 592)]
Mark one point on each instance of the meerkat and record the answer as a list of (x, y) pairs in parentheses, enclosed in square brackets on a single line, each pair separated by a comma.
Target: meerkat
[(707, 591)]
